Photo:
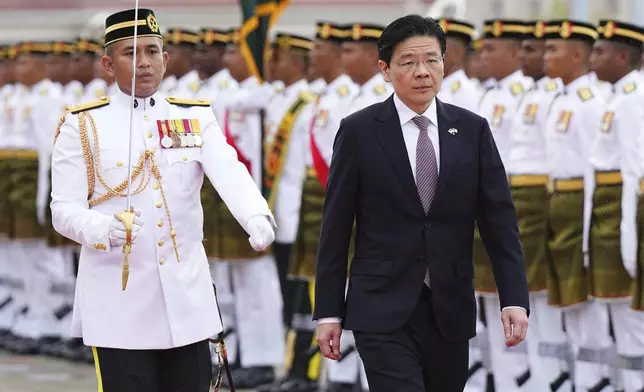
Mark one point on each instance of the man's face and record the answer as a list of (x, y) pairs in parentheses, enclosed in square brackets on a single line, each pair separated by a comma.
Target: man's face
[(557, 58), (82, 68), (495, 54), (280, 64), (353, 58), (151, 63), (454, 53), (416, 70), (99, 70), (234, 61), (208, 60), (323, 57), (531, 56), (29, 69), (603, 59), (58, 68)]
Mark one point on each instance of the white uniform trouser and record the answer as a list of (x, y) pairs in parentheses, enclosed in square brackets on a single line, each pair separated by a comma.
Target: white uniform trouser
[(38, 273), (546, 330), (351, 367), (10, 289), (628, 328), (587, 327), (507, 365), (257, 304), (477, 382)]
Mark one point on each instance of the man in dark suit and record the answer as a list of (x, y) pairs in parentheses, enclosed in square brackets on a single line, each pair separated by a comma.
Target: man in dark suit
[(415, 174)]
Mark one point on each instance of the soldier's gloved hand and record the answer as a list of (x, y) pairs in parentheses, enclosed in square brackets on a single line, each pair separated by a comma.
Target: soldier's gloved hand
[(631, 267), (261, 232), (117, 233)]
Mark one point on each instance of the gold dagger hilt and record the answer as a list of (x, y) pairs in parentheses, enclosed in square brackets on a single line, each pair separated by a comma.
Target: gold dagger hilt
[(127, 217)]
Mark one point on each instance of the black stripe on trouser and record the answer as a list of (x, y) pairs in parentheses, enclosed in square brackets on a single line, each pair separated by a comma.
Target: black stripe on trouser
[(304, 347)]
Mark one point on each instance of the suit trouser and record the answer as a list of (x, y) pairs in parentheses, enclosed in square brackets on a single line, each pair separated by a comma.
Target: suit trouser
[(182, 369), (282, 253), (414, 358), (478, 354), (257, 309), (628, 328), (587, 327)]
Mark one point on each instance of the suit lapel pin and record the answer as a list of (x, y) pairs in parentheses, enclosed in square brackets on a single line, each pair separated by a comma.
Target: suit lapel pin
[(453, 131)]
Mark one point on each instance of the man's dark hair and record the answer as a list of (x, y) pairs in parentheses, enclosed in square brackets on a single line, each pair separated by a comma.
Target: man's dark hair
[(407, 27)]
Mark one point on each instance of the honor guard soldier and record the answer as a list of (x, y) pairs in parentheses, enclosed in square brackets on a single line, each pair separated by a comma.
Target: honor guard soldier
[(570, 129), (88, 54), (253, 276), (457, 88), (501, 43), (359, 48), (61, 71), (209, 62), (287, 115), (28, 115), (527, 167), (144, 298), (182, 78), (613, 157), (309, 162)]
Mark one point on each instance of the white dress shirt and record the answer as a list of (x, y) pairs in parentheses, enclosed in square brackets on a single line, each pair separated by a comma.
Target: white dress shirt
[(410, 135)]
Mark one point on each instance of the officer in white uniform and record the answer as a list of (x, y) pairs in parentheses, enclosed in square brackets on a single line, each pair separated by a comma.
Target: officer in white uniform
[(148, 316), (613, 235), (571, 127), (501, 44)]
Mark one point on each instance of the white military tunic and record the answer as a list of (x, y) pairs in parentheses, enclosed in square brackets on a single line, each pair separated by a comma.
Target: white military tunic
[(167, 303), (499, 105), (459, 90)]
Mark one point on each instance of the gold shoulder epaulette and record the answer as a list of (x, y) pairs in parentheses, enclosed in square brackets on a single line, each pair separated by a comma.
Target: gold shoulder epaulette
[(307, 96), (584, 93), (103, 101), (455, 86), (630, 87), (517, 88), (187, 102), (343, 91), (379, 89), (551, 86)]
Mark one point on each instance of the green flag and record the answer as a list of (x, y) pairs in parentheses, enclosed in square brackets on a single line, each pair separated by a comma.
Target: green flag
[(258, 18)]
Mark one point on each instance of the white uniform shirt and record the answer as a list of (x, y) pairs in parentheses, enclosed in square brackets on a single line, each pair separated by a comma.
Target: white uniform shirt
[(374, 91), (187, 86), (458, 89), (527, 136), (167, 303), (570, 130), (215, 89), (96, 89), (499, 106)]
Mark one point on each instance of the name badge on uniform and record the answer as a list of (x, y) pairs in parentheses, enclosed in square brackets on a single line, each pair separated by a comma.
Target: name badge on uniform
[(607, 121), (563, 121), (497, 117), (530, 113), (322, 118), (180, 133)]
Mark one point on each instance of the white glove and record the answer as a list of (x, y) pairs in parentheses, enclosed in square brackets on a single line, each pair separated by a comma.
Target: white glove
[(117, 233), (631, 267), (261, 232), (586, 260)]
